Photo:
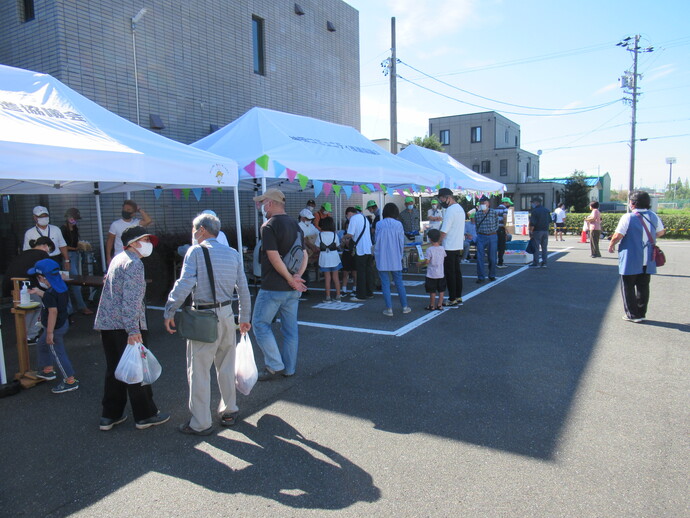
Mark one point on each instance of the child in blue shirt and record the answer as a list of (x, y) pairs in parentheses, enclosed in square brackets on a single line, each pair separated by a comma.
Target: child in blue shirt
[(55, 321)]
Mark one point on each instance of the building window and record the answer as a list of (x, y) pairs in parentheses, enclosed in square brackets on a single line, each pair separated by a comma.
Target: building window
[(475, 168), (528, 169), (445, 137), (258, 41), (476, 134), (28, 10), (486, 166), (516, 141), (504, 167), (506, 136)]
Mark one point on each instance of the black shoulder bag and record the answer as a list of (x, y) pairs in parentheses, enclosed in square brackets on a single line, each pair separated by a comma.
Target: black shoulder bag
[(200, 325)]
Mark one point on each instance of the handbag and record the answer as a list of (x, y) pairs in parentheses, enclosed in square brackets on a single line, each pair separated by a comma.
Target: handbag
[(200, 325), (529, 249), (658, 255)]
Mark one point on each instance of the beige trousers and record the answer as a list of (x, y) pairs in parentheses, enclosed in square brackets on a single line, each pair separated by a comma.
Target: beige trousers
[(200, 357)]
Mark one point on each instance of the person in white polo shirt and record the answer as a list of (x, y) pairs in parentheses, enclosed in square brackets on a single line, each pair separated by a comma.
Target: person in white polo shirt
[(129, 209), (42, 228)]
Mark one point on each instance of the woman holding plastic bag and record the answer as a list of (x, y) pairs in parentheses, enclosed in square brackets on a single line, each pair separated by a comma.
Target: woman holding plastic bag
[(121, 319)]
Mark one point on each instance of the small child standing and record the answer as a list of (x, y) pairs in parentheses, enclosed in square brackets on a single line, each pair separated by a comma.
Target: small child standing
[(435, 281), (55, 321), (329, 259)]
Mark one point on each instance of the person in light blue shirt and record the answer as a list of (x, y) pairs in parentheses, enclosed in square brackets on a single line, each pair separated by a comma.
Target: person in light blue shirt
[(388, 251)]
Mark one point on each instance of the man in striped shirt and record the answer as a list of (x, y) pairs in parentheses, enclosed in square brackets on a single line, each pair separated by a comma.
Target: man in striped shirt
[(228, 276), (487, 229)]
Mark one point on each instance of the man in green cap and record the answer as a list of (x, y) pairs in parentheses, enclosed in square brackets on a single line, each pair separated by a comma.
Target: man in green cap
[(410, 219), (373, 213), (502, 211), (324, 212)]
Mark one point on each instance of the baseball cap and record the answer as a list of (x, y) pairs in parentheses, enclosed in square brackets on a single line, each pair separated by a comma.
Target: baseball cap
[(409, 199), (445, 191), (39, 210), (483, 198), (306, 213), (51, 271), (327, 207), (434, 202), (371, 203), (135, 233), (271, 194), (506, 200)]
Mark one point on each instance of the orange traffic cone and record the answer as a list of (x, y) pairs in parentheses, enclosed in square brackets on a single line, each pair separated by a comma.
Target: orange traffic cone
[(524, 230), (583, 237)]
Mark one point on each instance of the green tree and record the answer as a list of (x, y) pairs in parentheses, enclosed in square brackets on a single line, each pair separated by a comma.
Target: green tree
[(621, 195), (577, 192), (430, 142)]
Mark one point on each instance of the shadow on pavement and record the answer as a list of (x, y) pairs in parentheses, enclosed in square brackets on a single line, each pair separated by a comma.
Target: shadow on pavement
[(685, 328)]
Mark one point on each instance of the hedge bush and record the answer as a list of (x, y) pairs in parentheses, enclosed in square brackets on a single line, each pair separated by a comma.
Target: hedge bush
[(677, 225)]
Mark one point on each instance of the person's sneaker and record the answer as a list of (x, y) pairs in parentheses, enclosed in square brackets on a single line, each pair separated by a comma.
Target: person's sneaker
[(63, 386), (480, 281), (185, 428), (449, 303), (501, 266), (458, 301), (355, 299), (107, 423), (157, 419), (327, 299), (388, 312), (543, 265), (268, 375), (634, 320), (466, 261), (492, 279), (48, 376), (406, 309), (533, 265), (338, 298)]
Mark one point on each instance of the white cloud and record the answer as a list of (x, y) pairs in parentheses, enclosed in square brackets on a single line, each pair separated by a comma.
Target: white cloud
[(607, 88), (659, 72)]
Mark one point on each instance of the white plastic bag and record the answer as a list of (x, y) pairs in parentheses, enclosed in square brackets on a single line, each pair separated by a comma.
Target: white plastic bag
[(138, 365), (152, 368), (246, 373), (130, 369)]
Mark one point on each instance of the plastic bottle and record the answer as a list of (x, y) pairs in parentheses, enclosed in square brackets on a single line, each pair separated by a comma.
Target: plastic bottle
[(24, 298)]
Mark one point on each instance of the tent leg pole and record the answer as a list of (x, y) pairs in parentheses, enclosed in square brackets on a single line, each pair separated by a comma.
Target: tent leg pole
[(238, 224), (3, 372), (99, 218)]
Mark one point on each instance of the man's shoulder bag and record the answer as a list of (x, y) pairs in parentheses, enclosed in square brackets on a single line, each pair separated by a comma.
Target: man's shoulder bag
[(200, 325)]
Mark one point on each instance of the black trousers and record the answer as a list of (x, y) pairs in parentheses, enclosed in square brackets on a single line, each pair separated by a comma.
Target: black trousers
[(451, 267), (115, 392), (501, 235), (635, 291), (365, 276)]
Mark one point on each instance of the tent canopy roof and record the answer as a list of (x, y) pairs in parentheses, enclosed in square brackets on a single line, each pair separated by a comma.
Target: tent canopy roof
[(54, 140), (455, 175), (278, 146)]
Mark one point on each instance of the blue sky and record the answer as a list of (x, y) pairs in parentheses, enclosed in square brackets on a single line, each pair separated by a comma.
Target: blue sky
[(543, 54)]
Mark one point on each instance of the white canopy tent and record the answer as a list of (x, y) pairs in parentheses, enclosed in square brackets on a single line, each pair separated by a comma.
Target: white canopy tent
[(455, 175), (275, 146), (55, 141)]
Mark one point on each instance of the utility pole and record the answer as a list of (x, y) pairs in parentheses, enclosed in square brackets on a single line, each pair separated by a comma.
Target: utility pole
[(670, 161), (630, 81), (394, 93)]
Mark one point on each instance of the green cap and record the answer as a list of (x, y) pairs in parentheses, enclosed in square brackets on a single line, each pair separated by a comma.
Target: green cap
[(506, 200), (434, 202), (327, 207), (358, 207), (409, 199), (371, 203)]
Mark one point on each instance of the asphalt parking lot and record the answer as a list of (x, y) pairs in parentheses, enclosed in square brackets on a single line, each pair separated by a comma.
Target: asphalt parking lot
[(532, 399)]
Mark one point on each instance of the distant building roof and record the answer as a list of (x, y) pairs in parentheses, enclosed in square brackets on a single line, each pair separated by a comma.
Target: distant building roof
[(591, 181)]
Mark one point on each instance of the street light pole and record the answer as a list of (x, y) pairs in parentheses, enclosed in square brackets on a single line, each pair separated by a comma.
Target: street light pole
[(135, 20), (670, 161)]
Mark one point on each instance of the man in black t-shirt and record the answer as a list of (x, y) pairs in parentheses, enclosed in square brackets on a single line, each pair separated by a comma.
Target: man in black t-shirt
[(280, 288)]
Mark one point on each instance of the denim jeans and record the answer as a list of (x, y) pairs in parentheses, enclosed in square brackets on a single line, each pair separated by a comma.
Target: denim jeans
[(74, 269), (483, 242), (268, 304), (541, 239), (47, 353), (386, 287)]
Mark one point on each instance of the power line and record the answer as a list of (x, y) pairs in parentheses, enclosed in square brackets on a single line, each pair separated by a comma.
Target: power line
[(627, 141), (501, 102), (588, 109)]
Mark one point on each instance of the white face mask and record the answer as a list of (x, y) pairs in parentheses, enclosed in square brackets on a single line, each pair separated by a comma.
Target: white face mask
[(43, 285), (485, 207), (145, 249), (263, 211), (43, 221)]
